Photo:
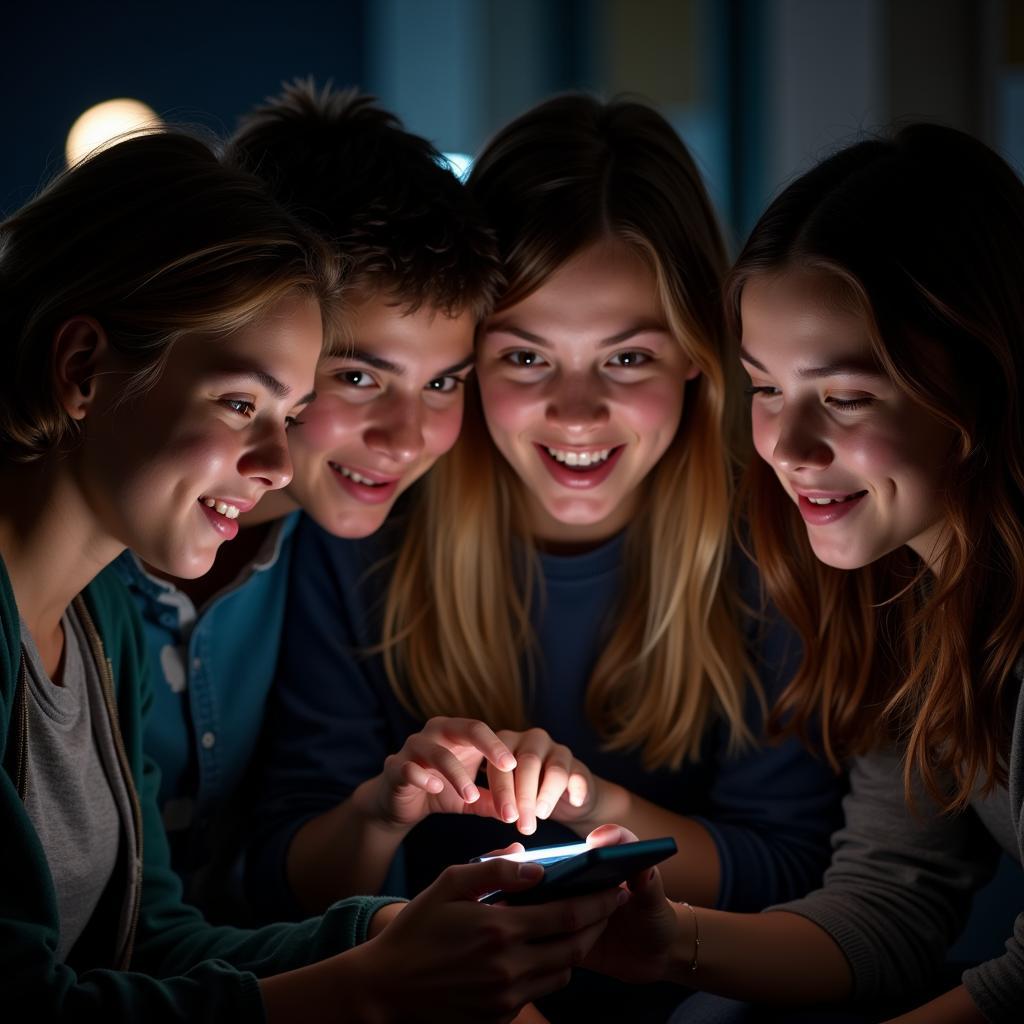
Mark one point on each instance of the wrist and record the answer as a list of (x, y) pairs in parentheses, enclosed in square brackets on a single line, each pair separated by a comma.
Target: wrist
[(369, 808), (383, 917), (684, 949)]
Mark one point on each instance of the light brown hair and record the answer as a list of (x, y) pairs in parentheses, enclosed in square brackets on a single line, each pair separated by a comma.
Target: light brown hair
[(155, 239)]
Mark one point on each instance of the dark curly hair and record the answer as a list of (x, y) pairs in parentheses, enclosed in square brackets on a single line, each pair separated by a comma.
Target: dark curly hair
[(403, 221)]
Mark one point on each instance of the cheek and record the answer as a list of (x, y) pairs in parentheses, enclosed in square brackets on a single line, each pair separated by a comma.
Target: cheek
[(878, 453), (764, 433), (442, 430), (330, 421), (508, 408), (651, 410)]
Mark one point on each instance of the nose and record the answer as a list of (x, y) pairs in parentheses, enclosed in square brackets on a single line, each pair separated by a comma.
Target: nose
[(267, 460), (800, 444), (397, 429), (576, 403)]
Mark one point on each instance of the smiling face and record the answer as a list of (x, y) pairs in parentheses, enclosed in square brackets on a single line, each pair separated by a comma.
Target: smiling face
[(582, 387), (383, 414), (168, 472), (864, 464)]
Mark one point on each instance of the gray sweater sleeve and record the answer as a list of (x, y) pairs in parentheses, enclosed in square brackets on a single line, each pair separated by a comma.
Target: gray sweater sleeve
[(899, 887), (997, 986)]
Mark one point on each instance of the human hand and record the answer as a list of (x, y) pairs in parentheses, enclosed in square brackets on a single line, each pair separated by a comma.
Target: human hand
[(447, 957), (548, 782), (434, 773), (636, 946)]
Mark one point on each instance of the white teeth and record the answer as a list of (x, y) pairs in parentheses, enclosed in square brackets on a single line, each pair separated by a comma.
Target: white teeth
[(569, 458), (357, 477), (226, 510), (828, 501)]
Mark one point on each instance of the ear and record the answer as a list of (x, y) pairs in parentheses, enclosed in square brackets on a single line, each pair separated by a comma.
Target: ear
[(692, 371), (79, 348)]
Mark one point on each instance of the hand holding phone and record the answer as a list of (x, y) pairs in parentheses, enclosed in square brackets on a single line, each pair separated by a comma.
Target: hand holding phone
[(579, 868)]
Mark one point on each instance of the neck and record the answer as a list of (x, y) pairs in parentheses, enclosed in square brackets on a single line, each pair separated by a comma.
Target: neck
[(50, 540)]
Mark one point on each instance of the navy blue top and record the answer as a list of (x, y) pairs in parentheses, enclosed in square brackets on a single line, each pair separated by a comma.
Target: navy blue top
[(334, 719)]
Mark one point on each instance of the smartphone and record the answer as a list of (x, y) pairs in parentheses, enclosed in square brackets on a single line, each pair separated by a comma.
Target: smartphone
[(576, 869)]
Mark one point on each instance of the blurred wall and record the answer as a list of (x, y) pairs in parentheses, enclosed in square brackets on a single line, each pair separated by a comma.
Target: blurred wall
[(758, 88)]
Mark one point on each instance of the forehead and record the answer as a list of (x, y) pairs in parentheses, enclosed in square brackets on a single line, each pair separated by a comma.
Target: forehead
[(284, 343), (380, 325), (801, 314), (606, 285)]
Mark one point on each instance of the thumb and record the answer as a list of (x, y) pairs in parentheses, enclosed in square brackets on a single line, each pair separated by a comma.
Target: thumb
[(645, 885), (471, 881)]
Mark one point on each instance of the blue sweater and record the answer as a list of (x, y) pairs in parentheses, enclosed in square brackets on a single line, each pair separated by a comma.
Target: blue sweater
[(334, 719)]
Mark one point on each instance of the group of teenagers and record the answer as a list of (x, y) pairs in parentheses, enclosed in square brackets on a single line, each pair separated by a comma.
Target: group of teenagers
[(357, 521)]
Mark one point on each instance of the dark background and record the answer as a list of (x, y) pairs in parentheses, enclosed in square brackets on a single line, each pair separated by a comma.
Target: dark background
[(758, 88)]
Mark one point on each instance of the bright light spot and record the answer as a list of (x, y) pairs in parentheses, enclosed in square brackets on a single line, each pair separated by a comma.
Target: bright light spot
[(106, 123), (459, 163)]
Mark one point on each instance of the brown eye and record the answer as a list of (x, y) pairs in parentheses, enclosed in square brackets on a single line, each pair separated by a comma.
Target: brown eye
[(629, 359), (524, 357)]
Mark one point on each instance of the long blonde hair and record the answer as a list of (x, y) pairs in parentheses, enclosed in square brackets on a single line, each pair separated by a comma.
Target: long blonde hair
[(457, 620)]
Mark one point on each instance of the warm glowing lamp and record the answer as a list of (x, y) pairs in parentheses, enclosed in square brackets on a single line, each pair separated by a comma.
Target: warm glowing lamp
[(106, 123)]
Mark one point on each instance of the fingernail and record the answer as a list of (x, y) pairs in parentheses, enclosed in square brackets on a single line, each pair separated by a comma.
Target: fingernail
[(529, 871), (470, 794), (528, 830), (621, 896), (543, 809), (509, 812), (650, 877), (506, 762)]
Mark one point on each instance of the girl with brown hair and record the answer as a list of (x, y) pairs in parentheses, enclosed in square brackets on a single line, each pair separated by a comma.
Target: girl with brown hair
[(880, 312)]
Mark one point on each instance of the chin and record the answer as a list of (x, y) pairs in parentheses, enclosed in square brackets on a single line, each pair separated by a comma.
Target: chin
[(841, 559), (576, 513), (185, 565), (349, 526)]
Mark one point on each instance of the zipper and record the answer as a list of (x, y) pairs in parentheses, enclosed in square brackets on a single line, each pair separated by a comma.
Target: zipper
[(106, 671), (21, 736)]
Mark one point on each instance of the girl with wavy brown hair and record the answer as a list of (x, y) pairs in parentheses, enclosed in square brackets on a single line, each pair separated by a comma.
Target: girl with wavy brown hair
[(880, 312)]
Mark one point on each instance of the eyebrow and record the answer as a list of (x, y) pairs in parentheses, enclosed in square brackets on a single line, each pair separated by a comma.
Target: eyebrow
[(855, 367), (267, 380), (387, 366), (647, 326)]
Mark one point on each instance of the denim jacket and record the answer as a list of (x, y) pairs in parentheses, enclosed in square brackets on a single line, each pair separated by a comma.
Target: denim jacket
[(212, 670)]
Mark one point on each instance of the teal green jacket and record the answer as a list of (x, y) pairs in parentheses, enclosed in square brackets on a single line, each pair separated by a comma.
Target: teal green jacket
[(145, 954)]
